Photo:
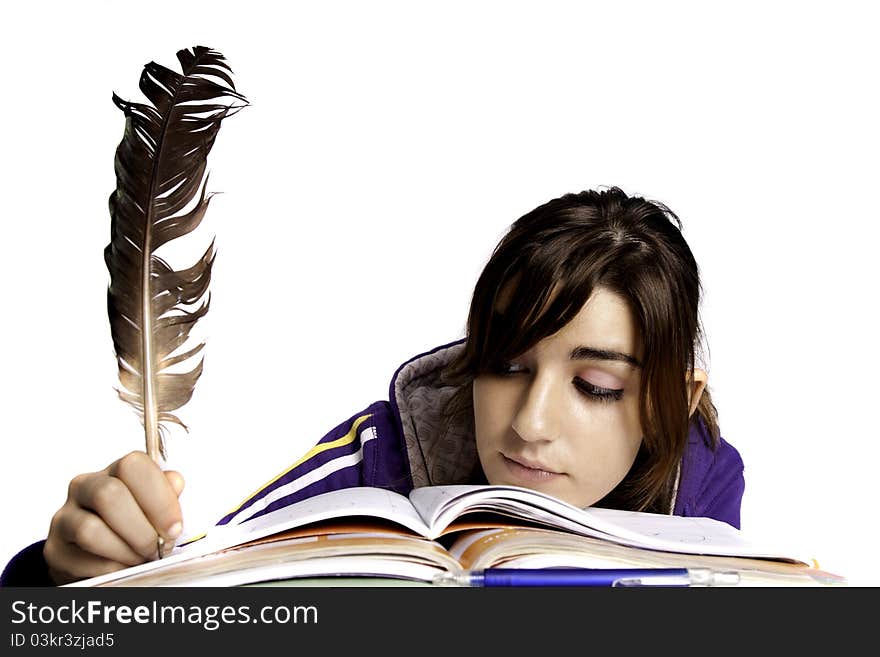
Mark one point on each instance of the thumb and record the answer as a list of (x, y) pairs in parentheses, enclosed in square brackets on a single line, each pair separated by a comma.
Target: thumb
[(176, 481)]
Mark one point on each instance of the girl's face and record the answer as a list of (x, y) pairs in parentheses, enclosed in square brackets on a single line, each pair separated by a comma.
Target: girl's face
[(563, 418)]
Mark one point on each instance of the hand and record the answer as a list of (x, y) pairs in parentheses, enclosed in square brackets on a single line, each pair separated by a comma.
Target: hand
[(113, 518)]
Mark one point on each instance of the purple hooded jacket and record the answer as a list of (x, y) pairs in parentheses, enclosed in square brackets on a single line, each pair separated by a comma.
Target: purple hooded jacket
[(409, 441)]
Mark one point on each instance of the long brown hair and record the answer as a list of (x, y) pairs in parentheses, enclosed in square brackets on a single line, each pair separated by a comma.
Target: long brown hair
[(548, 265)]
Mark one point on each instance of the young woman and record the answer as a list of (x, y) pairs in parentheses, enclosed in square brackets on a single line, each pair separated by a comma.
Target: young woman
[(577, 378)]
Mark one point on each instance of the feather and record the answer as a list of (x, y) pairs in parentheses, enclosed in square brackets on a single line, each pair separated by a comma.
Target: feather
[(160, 196)]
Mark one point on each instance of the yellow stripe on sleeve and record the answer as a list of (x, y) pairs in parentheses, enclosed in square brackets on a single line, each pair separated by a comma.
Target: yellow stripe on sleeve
[(317, 449)]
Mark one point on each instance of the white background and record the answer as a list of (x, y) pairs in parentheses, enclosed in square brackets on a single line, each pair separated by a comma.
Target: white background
[(386, 149)]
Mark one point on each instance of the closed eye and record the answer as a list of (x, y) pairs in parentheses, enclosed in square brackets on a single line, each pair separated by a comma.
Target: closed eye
[(597, 393)]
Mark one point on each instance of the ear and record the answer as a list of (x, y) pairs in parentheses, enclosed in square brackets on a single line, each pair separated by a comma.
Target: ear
[(696, 386)]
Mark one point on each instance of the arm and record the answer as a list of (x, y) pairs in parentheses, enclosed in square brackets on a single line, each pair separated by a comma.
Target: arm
[(721, 497), (357, 452), (712, 482), (27, 568)]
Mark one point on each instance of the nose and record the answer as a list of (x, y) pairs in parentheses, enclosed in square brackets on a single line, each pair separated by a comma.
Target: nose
[(538, 416)]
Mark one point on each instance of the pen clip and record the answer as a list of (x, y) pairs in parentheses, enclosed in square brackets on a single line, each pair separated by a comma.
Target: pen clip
[(694, 577), (658, 581)]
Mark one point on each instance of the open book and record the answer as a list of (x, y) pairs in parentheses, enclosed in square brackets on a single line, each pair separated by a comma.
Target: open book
[(372, 532)]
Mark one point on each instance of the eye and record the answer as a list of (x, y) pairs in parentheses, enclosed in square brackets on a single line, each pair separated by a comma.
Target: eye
[(597, 393)]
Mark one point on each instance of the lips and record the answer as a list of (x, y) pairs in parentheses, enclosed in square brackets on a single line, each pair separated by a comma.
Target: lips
[(530, 464), (525, 468)]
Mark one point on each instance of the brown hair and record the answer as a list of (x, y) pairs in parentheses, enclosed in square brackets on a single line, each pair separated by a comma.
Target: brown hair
[(549, 263)]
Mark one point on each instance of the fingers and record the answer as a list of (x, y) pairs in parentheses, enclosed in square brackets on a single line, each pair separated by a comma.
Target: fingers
[(103, 513), (176, 480), (68, 562), (153, 492), (89, 532)]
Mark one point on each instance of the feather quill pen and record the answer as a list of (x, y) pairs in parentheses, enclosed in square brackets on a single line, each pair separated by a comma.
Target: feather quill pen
[(160, 196)]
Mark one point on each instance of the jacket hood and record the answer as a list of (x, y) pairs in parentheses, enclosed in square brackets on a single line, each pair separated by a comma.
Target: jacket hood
[(441, 448)]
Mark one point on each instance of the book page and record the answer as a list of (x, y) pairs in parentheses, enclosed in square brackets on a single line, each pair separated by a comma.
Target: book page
[(343, 503), (440, 505)]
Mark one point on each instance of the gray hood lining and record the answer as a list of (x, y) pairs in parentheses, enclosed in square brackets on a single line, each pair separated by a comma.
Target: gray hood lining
[(441, 448)]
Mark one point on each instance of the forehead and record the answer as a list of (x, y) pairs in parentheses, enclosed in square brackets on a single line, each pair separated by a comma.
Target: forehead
[(604, 322)]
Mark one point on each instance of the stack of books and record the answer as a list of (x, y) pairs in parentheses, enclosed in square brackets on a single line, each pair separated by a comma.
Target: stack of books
[(438, 535)]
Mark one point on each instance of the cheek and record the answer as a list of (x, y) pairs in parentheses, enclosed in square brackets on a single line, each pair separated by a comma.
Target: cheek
[(494, 402), (630, 431), (485, 412), (605, 441)]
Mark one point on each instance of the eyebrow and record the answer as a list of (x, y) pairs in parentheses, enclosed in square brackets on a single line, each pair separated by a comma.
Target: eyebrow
[(590, 353)]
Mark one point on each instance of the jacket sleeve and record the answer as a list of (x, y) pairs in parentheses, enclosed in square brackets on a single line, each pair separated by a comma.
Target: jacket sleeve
[(712, 482), (722, 492), (27, 568), (343, 458)]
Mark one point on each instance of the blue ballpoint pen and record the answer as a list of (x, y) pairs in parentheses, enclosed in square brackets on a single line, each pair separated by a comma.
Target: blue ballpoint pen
[(524, 577)]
